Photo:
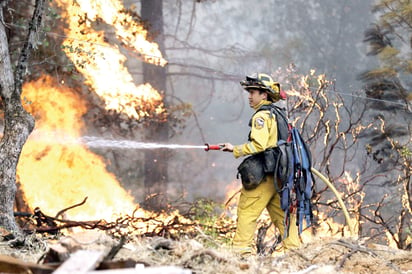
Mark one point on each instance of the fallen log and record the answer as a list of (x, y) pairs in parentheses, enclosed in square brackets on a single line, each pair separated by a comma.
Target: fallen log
[(10, 264)]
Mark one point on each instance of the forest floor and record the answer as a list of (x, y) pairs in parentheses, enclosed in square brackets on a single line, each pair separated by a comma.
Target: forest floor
[(195, 255)]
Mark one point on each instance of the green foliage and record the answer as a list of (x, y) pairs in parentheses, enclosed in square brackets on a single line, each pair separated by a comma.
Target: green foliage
[(26, 101), (389, 57), (389, 82), (53, 13), (379, 73), (405, 152), (206, 212), (389, 41), (79, 50), (178, 114)]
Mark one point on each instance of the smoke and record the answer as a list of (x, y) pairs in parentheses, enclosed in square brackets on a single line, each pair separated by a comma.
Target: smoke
[(210, 46), (213, 45)]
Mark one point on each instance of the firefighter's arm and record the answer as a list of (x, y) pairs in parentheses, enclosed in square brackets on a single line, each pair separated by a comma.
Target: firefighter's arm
[(259, 137)]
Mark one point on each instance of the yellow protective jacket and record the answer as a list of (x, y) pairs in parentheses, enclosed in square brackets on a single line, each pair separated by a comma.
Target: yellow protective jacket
[(263, 133)]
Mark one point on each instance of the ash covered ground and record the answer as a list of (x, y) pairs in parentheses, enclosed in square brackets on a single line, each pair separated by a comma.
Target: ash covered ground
[(202, 254)]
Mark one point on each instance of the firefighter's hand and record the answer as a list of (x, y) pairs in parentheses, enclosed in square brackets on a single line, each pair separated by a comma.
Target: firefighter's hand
[(227, 147)]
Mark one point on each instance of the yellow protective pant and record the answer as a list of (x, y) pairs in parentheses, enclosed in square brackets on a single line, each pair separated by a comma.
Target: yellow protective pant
[(250, 207)]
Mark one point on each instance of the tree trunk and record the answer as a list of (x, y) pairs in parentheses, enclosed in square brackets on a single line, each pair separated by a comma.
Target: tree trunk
[(18, 123), (156, 161)]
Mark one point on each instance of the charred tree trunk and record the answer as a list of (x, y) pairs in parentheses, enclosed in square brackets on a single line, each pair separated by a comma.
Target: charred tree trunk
[(18, 123), (156, 161)]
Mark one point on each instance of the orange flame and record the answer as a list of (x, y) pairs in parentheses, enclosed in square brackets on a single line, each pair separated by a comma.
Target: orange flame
[(55, 171), (231, 200), (102, 64)]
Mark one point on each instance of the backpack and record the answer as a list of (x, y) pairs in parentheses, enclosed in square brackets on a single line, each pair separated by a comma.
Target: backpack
[(293, 171)]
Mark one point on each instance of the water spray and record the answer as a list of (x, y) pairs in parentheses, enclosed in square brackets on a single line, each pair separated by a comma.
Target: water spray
[(99, 142)]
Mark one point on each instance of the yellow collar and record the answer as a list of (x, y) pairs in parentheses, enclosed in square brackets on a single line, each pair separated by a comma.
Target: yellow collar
[(263, 102)]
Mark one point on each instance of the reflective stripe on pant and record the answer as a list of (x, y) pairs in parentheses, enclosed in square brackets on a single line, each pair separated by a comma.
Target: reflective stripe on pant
[(250, 207)]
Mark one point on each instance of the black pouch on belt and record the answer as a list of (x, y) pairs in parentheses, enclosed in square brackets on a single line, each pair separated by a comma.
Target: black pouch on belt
[(251, 171)]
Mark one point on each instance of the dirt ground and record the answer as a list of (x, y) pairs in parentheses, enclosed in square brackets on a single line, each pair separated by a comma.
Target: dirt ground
[(202, 255)]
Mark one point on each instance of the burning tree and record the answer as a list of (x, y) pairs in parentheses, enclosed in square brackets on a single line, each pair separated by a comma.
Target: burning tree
[(92, 58), (18, 123)]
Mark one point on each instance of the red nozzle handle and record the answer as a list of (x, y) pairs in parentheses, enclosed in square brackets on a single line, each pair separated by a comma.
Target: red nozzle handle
[(212, 147)]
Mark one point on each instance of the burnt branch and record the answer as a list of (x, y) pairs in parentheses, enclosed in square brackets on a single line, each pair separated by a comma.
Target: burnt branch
[(61, 212)]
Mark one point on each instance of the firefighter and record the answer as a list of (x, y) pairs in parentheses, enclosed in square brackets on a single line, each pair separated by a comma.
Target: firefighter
[(263, 135)]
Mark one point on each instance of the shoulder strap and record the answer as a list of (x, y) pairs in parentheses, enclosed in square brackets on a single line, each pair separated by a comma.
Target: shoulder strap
[(281, 120), (283, 123)]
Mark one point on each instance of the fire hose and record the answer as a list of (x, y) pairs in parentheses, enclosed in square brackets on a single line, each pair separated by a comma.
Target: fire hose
[(324, 179), (212, 147), (344, 209)]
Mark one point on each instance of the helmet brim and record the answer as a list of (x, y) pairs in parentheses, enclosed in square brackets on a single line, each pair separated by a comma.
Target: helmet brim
[(273, 95)]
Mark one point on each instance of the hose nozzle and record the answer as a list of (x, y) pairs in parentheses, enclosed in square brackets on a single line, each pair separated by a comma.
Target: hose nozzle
[(212, 147)]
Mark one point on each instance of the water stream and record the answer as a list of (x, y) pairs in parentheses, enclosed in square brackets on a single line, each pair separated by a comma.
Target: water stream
[(97, 142)]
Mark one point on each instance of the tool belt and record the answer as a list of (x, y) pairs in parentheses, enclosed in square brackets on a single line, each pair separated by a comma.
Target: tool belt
[(253, 169)]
